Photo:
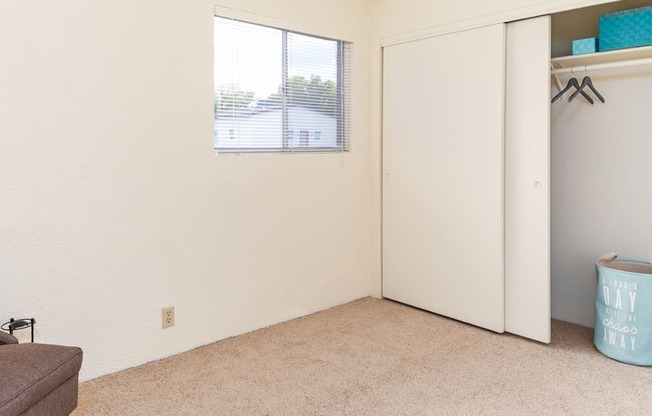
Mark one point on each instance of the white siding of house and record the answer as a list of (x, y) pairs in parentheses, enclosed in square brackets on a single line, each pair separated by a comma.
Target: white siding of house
[(264, 130)]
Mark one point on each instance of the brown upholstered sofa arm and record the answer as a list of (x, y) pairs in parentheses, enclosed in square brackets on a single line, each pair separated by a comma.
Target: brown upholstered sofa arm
[(38, 379), (7, 339)]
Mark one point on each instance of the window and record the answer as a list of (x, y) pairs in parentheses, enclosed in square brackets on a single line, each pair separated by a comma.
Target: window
[(304, 138), (273, 87)]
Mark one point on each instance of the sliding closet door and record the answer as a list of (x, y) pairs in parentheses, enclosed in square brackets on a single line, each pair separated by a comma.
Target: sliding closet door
[(527, 179), (443, 118)]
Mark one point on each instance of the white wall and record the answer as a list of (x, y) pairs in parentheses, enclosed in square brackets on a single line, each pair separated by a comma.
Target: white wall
[(114, 204), (601, 200), (403, 19)]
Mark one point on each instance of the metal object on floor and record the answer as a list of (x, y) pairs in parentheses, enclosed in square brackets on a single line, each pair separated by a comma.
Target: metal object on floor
[(19, 324)]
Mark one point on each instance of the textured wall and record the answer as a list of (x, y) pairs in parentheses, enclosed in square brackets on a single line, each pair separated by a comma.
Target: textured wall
[(115, 205)]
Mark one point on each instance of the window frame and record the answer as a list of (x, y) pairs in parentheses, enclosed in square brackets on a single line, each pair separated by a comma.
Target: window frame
[(343, 96)]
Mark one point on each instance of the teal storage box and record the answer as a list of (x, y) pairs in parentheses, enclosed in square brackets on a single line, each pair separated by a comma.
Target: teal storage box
[(583, 46), (623, 310), (626, 29)]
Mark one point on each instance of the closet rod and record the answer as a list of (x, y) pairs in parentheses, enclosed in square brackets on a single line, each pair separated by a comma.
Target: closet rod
[(607, 65)]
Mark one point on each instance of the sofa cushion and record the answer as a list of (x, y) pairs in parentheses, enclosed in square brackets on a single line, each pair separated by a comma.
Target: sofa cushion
[(31, 371), (6, 339)]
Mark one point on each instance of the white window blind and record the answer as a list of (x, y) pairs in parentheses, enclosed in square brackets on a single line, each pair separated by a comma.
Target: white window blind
[(277, 90)]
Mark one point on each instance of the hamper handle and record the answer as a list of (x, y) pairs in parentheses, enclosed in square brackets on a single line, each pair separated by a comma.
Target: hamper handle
[(611, 256)]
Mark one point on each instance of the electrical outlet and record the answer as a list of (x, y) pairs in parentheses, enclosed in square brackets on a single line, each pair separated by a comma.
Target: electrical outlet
[(168, 317)]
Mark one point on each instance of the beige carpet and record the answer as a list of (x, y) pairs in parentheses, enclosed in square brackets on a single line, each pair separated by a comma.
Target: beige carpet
[(377, 357)]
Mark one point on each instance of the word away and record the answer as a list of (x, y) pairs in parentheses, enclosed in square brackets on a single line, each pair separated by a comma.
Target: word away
[(620, 302)]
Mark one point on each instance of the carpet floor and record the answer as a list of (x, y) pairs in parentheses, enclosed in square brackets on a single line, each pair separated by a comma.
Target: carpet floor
[(378, 357)]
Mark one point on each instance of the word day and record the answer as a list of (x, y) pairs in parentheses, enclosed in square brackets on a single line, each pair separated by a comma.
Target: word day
[(615, 298)]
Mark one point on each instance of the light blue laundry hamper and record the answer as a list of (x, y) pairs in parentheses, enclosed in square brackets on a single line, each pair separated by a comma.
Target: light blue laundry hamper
[(623, 310)]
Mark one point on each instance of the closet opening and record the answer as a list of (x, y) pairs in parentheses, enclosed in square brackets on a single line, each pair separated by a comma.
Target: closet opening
[(600, 160)]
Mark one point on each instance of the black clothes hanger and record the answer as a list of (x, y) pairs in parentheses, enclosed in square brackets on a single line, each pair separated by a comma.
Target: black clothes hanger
[(586, 82), (572, 83)]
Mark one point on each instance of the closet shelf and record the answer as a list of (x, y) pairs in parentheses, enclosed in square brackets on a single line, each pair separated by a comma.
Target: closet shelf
[(601, 60)]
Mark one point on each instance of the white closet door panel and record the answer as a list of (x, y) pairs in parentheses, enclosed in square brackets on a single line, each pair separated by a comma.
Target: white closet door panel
[(443, 119), (527, 179)]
